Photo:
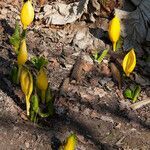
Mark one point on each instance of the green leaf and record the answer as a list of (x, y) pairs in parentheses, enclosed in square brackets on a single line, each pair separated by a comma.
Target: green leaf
[(35, 103), (49, 96), (136, 93), (99, 57), (15, 38), (128, 94), (39, 62), (104, 53), (133, 93), (49, 111), (119, 43), (95, 56), (34, 108)]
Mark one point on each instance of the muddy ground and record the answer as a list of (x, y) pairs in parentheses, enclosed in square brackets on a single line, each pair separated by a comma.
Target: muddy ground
[(90, 105)]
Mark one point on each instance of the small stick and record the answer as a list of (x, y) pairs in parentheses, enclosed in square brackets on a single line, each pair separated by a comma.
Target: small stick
[(139, 104)]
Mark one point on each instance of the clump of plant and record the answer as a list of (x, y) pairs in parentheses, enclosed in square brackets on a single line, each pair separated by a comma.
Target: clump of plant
[(121, 67), (32, 78)]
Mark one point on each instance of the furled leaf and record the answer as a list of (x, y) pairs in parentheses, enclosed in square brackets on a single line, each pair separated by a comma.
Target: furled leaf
[(34, 108), (129, 62), (49, 110), (14, 74), (35, 103), (116, 74), (15, 38), (136, 93), (49, 101), (39, 62)]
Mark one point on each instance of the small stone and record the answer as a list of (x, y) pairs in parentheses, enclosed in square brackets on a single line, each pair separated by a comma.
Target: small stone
[(105, 61), (15, 128), (87, 111), (118, 126), (27, 144)]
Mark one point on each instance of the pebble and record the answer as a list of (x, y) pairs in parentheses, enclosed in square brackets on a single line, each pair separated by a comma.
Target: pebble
[(27, 144), (87, 111)]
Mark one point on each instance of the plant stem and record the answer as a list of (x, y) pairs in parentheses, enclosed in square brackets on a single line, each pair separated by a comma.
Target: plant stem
[(43, 96), (114, 46), (27, 105)]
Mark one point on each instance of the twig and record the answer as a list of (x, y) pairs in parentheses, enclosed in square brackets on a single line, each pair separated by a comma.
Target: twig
[(139, 104)]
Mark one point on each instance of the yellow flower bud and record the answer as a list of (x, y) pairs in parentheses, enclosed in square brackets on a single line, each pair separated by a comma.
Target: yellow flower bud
[(114, 31), (129, 62), (23, 54), (26, 81), (27, 14), (42, 82)]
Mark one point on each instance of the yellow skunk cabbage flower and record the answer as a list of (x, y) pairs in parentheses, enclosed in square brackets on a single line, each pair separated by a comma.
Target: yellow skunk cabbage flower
[(70, 143), (23, 54), (129, 62), (26, 81), (114, 31), (27, 14), (42, 82)]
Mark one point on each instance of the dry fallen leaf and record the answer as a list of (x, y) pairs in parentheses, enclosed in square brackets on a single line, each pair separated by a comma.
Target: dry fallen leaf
[(42, 2), (116, 74)]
